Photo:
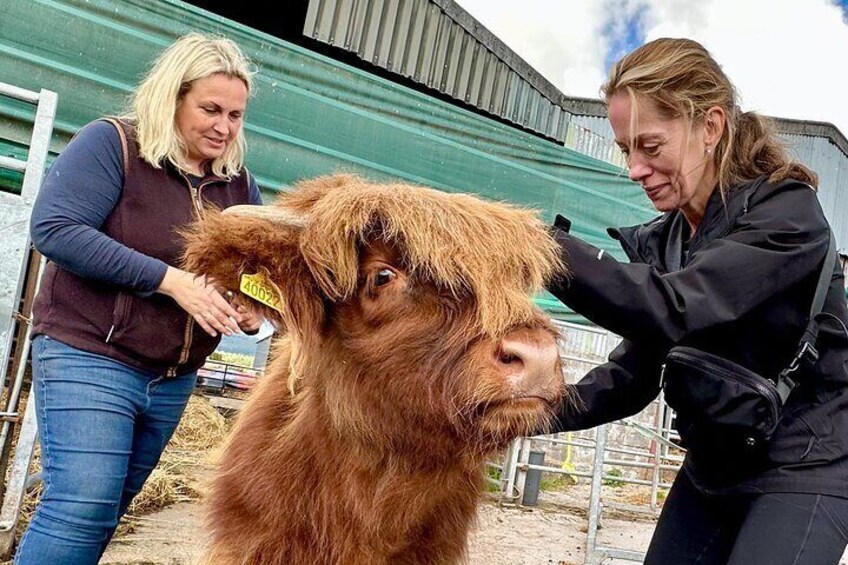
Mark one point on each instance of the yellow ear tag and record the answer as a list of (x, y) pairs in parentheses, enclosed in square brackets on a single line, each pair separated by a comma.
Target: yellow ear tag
[(256, 287)]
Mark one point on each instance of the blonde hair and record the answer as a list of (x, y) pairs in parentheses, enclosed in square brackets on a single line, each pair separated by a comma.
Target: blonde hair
[(681, 78), (153, 105)]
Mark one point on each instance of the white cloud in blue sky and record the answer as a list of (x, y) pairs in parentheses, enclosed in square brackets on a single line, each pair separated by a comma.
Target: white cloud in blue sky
[(786, 57)]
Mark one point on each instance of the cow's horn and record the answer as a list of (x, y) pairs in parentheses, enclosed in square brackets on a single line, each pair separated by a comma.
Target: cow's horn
[(272, 213)]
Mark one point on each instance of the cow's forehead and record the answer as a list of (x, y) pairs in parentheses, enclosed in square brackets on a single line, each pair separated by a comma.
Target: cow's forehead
[(498, 252)]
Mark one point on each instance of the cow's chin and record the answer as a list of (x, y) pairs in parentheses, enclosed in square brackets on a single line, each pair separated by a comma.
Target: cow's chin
[(500, 422)]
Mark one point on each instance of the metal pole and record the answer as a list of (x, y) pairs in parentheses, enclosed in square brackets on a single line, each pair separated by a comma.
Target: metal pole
[(658, 449), (595, 497), (33, 173), (510, 465), (17, 484), (533, 483), (521, 468), (39, 146), (19, 93), (13, 388)]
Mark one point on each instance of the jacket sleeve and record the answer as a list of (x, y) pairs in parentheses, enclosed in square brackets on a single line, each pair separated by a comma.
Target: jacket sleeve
[(79, 192), (781, 240), (621, 387)]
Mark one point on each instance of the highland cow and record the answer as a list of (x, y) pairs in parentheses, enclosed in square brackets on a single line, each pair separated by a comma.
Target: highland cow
[(412, 352)]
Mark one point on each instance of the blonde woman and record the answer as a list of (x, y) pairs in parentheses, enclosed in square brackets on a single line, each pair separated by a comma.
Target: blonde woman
[(727, 272), (120, 330)]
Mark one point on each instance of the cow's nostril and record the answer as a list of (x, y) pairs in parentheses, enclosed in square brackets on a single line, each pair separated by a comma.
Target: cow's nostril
[(529, 359)]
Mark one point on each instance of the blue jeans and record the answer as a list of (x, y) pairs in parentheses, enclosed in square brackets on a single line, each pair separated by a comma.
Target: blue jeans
[(102, 427)]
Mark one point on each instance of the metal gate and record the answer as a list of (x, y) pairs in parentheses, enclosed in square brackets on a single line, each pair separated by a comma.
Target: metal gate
[(14, 324)]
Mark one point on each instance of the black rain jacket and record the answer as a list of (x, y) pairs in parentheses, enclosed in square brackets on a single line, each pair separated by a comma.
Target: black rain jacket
[(741, 288)]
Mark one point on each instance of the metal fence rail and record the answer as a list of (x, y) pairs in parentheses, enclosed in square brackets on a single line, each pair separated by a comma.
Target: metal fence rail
[(218, 376)]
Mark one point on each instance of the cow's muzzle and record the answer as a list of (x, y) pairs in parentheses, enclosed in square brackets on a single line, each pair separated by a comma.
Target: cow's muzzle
[(528, 359)]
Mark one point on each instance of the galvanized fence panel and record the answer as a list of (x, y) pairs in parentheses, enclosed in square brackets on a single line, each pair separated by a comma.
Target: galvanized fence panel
[(15, 248)]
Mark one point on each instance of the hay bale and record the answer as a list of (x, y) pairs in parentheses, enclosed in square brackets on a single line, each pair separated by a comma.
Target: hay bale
[(202, 427)]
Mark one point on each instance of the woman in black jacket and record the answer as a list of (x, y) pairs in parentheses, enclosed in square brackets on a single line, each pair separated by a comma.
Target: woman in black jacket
[(730, 268)]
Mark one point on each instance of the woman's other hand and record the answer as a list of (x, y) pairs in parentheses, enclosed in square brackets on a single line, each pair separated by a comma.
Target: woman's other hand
[(198, 296), (251, 316)]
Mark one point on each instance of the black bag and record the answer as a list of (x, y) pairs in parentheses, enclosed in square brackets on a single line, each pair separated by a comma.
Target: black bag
[(722, 405), (719, 402)]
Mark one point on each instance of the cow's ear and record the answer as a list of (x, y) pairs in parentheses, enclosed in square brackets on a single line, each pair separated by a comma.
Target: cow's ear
[(253, 250)]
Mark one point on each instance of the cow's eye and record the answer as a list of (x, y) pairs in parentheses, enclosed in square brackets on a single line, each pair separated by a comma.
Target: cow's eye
[(384, 277)]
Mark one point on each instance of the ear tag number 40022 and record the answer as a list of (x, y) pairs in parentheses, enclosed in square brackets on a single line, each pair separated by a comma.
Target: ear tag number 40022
[(256, 287)]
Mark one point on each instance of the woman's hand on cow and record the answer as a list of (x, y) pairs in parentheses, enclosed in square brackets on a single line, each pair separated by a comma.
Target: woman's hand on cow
[(251, 315), (198, 295)]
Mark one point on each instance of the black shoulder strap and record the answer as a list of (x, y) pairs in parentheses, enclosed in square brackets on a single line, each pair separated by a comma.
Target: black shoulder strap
[(807, 347), (812, 331)]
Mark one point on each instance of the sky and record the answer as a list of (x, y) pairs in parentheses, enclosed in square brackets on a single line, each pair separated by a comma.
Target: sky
[(787, 58)]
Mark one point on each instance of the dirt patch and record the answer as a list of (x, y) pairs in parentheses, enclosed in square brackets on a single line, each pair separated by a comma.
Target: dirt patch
[(504, 536), (553, 533)]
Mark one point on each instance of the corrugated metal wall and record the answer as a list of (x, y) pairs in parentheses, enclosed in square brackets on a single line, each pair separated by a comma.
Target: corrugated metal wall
[(586, 141), (831, 164), (419, 40)]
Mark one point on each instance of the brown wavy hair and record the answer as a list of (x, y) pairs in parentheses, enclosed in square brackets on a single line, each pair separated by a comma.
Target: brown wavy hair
[(684, 81)]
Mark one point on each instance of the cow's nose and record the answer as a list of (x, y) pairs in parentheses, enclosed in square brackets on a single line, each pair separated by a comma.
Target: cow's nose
[(529, 360)]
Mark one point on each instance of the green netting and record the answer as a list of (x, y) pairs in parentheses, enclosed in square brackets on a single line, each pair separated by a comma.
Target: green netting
[(310, 115)]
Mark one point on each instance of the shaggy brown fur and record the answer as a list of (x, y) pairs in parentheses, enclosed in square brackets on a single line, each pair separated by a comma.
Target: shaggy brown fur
[(412, 352)]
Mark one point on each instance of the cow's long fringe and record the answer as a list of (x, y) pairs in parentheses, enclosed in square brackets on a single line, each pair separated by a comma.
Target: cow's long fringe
[(496, 252)]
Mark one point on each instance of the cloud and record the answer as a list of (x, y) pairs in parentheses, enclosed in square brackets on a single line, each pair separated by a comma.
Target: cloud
[(843, 5), (560, 40), (784, 56), (623, 28), (780, 54)]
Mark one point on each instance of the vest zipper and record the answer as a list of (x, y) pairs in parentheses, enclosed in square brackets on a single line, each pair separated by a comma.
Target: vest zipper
[(188, 334), (119, 314)]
